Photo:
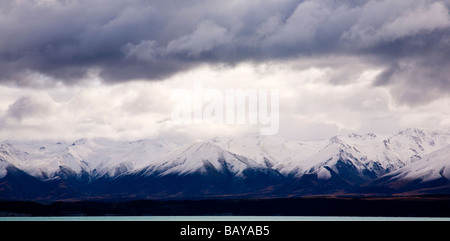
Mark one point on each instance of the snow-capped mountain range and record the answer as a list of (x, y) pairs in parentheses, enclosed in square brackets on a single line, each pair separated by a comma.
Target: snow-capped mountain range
[(411, 161)]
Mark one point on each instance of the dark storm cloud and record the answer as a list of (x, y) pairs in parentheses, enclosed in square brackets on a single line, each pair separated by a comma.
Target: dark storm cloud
[(126, 40), (417, 68)]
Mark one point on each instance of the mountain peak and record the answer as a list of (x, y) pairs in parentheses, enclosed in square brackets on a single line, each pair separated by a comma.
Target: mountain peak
[(202, 145), (335, 139), (202, 157)]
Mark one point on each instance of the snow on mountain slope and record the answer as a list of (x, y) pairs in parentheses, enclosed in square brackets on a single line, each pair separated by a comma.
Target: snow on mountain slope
[(249, 146), (370, 155), (7, 157), (432, 167), (202, 157), (112, 158), (408, 160), (411, 144), (96, 157), (39, 158), (270, 151), (363, 157), (363, 153), (372, 151), (336, 158), (367, 153)]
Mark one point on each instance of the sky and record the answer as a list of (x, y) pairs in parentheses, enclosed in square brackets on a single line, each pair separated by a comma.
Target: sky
[(107, 68)]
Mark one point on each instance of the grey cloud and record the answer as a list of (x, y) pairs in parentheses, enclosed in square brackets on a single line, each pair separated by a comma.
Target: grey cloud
[(374, 27), (28, 107), (139, 39), (146, 50), (416, 68), (417, 81), (205, 37)]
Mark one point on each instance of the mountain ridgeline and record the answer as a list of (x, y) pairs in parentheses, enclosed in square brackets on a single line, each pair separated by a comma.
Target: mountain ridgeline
[(410, 162)]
